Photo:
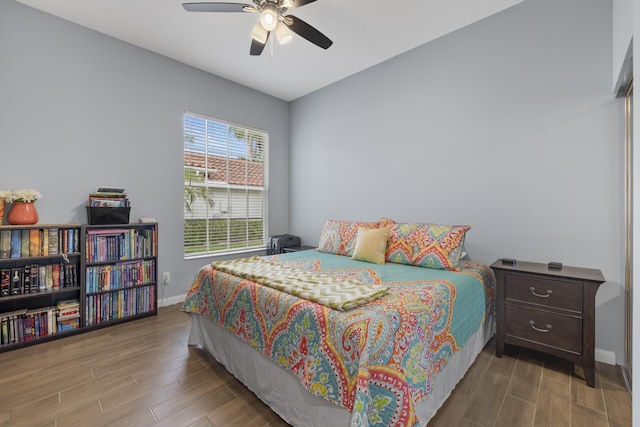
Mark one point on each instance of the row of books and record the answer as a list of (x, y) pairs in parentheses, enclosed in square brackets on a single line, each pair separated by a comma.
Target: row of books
[(118, 276), (118, 305), (109, 197), (32, 242), (27, 325), (33, 278), (120, 244)]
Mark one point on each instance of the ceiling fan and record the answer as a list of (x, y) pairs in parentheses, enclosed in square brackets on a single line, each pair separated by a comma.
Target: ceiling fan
[(272, 18)]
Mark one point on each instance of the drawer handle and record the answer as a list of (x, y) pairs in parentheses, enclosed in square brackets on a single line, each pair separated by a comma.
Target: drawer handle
[(547, 295), (533, 325)]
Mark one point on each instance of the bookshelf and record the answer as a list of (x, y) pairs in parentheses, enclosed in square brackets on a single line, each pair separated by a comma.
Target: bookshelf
[(119, 263), (39, 274), (80, 277)]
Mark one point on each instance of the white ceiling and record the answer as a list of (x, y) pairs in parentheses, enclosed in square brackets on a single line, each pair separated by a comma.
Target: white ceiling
[(364, 33)]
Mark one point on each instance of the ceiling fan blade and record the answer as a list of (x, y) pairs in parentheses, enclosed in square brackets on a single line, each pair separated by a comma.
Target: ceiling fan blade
[(305, 30), (298, 3), (257, 47), (215, 7)]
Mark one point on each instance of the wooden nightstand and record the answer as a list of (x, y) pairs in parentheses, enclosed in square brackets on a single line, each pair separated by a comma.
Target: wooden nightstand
[(548, 310), (297, 248)]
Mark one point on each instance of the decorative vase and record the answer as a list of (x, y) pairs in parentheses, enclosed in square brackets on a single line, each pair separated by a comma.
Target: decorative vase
[(22, 213), (2, 204)]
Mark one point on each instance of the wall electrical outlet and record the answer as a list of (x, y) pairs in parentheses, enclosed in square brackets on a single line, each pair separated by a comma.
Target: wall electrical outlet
[(166, 278)]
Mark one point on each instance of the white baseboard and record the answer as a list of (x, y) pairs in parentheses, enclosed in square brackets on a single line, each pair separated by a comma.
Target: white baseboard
[(178, 299), (605, 356)]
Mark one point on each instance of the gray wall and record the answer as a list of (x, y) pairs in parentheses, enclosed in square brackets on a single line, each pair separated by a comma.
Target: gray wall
[(509, 125), (79, 110), (622, 34)]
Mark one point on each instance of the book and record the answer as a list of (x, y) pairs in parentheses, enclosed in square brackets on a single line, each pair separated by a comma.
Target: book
[(111, 197), (69, 314), (108, 202), (67, 325), (49, 277), (28, 322), (26, 279), (116, 190), (44, 325), (5, 282), (24, 243), (71, 303), (5, 244), (68, 309), (72, 239), (55, 276), (35, 282), (34, 242), (36, 324), (51, 320), (42, 278), (45, 242), (12, 328), (4, 331), (67, 275), (16, 281), (73, 271), (15, 243), (76, 240), (63, 282), (19, 326), (53, 241), (62, 241)]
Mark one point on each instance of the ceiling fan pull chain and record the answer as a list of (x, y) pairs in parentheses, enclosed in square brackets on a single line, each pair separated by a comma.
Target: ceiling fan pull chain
[(271, 47)]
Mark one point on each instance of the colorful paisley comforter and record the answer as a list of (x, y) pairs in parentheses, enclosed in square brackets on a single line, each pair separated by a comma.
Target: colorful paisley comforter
[(377, 360)]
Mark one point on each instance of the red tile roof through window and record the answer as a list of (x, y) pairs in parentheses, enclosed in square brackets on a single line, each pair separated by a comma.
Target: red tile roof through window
[(238, 169)]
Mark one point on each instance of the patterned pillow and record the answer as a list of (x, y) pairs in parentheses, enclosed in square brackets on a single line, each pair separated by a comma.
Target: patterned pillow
[(424, 244), (339, 237)]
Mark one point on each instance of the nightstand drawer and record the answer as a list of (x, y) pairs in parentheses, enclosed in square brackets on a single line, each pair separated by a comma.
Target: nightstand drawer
[(544, 327), (545, 292)]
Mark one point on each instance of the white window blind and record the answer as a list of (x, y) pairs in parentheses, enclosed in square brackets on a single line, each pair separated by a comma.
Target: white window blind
[(225, 186)]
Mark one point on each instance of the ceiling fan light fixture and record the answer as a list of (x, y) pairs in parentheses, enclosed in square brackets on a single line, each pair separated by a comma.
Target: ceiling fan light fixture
[(269, 17), (283, 33), (259, 34), (287, 3)]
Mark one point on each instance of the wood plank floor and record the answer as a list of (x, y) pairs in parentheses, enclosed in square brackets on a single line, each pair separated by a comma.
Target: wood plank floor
[(143, 373)]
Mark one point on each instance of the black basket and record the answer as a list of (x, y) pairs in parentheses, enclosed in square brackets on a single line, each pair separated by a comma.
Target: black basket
[(106, 215)]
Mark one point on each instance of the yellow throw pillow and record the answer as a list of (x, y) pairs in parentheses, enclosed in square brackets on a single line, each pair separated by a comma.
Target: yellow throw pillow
[(371, 245)]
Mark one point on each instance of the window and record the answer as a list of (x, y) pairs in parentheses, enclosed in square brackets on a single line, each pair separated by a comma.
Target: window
[(225, 187)]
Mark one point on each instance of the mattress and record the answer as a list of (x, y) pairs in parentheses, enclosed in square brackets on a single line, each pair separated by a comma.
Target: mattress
[(391, 361)]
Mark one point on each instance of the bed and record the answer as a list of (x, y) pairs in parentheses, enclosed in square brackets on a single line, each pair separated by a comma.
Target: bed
[(390, 361)]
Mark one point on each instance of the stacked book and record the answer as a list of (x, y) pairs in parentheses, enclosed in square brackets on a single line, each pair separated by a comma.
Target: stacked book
[(68, 315), (108, 205), (109, 197)]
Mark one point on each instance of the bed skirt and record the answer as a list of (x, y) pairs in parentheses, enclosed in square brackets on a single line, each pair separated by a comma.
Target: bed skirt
[(287, 397)]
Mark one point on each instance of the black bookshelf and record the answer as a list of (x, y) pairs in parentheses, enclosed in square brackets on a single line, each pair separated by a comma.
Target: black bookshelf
[(41, 263), (112, 273), (121, 270)]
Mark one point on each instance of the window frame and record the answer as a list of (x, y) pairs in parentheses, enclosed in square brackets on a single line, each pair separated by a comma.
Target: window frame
[(231, 190)]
